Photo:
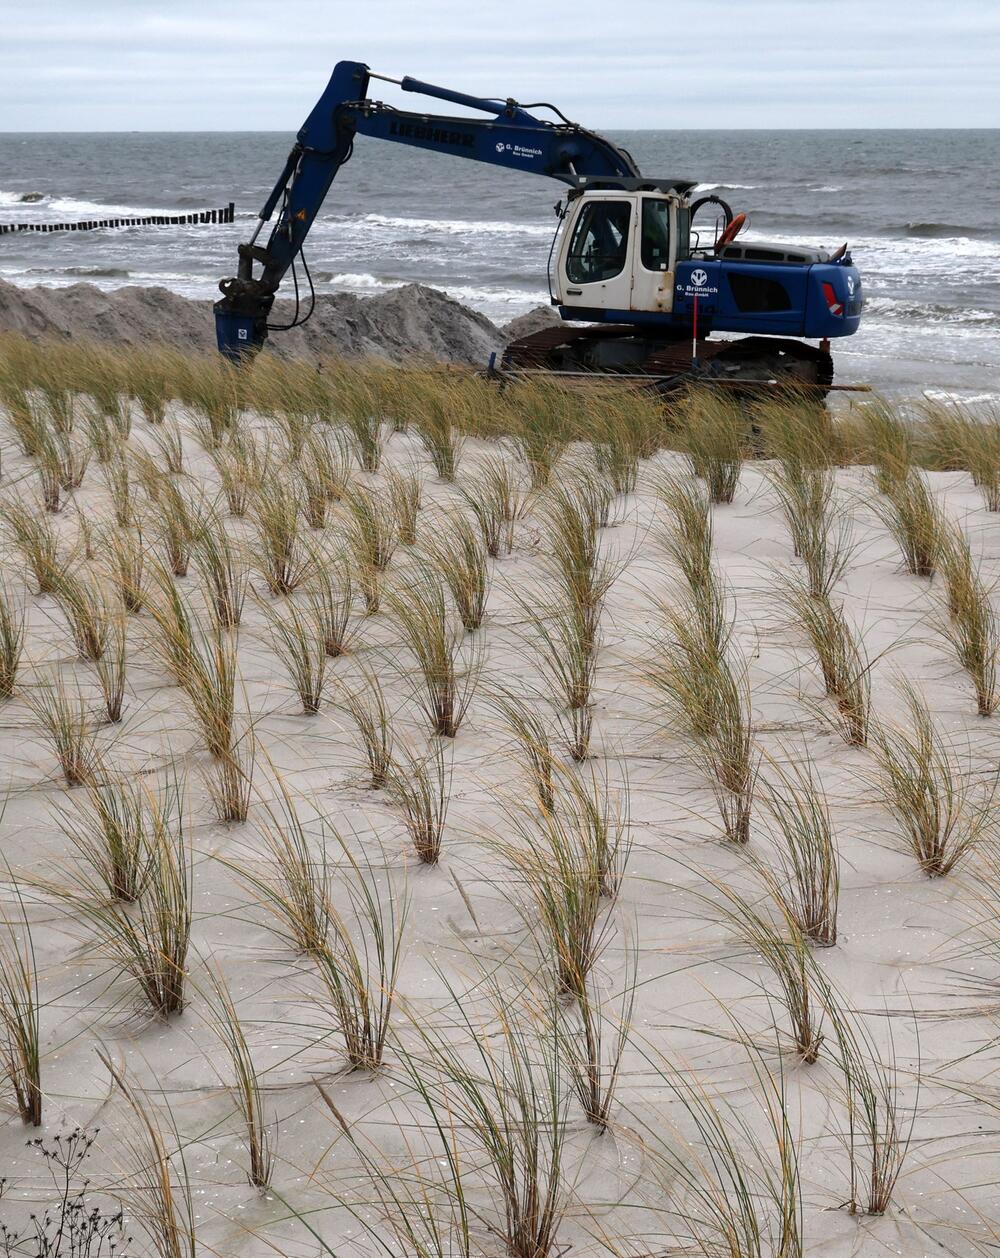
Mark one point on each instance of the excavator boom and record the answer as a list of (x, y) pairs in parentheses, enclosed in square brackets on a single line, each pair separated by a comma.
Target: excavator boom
[(509, 137)]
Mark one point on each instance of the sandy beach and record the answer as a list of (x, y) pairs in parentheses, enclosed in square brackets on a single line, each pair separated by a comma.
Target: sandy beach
[(727, 1118)]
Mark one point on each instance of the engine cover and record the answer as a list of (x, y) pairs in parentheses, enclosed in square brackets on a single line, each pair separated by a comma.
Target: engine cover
[(821, 299)]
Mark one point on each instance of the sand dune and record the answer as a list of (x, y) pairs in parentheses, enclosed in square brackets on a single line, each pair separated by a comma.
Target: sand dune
[(694, 949)]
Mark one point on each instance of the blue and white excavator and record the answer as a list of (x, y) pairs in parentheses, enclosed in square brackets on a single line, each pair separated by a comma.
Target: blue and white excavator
[(640, 290)]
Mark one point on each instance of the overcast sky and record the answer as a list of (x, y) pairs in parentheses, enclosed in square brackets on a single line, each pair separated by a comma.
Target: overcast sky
[(168, 65)]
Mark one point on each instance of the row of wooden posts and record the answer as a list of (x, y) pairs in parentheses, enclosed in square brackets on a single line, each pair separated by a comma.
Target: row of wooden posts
[(224, 215)]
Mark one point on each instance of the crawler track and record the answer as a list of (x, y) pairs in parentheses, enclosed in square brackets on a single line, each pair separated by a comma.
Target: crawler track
[(752, 364)]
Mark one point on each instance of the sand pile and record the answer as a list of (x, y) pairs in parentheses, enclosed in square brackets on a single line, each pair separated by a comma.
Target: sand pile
[(130, 316), (408, 321)]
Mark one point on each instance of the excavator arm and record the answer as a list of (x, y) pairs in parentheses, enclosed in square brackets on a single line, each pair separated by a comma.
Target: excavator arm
[(509, 137)]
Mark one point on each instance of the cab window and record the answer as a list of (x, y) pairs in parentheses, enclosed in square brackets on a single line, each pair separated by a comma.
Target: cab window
[(655, 234), (683, 221), (599, 245)]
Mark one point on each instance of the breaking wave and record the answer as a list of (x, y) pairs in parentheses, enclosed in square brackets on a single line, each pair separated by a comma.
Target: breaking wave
[(86, 272), (449, 227), (701, 188), (938, 231), (948, 395), (72, 206), (478, 296), (67, 205), (22, 198), (930, 312), (356, 279)]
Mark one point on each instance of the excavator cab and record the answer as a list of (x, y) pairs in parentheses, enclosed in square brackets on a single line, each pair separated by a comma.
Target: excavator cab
[(627, 254), (618, 251)]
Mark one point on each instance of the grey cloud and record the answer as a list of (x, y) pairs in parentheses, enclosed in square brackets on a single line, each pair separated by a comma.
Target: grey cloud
[(645, 63)]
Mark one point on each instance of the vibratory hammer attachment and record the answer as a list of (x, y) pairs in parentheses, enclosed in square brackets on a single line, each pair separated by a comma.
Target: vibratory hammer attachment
[(241, 318), (238, 336)]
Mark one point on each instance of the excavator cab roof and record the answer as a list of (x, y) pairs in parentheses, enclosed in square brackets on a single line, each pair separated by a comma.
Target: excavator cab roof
[(629, 183)]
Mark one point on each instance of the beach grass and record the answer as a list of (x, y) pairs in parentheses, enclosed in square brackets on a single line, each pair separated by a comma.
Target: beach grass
[(20, 1046), (943, 818), (623, 881), (12, 631), (147, 938)]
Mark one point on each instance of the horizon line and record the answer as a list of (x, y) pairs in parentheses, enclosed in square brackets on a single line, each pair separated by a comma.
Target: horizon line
[(284, 131)]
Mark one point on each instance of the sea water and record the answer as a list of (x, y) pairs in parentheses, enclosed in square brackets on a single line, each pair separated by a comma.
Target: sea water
[(920, 211)]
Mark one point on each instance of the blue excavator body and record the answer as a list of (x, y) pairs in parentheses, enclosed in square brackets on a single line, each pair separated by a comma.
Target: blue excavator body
[(815, 300)]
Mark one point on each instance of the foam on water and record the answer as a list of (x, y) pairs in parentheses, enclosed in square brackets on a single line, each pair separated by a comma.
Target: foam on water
[(971, 399), (49, 208), (447, 227)]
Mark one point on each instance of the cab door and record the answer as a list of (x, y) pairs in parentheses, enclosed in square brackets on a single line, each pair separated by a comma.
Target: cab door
[(596, 257), (655, 255)]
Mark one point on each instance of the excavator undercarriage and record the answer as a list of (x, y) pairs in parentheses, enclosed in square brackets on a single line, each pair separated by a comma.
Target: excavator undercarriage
[(751, 364)]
